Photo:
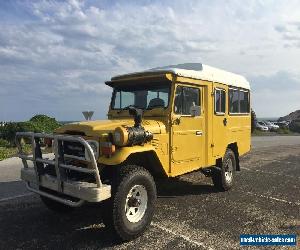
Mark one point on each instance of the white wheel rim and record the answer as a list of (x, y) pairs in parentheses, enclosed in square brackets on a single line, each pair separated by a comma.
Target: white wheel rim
[(228, 171), (136, 203)]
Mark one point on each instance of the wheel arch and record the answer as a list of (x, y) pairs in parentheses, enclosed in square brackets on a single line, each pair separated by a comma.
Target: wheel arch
[(149, 160), (234, 147), (143, 156)]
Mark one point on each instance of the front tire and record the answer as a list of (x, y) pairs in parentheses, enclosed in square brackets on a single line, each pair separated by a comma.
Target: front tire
[(130, 209), (223, 175)]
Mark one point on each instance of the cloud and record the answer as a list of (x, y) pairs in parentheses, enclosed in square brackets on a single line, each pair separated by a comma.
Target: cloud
[(275, 95), (280, 28), (56, 55)]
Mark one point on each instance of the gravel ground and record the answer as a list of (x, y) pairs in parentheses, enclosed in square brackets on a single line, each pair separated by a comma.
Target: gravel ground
[(190, 213)]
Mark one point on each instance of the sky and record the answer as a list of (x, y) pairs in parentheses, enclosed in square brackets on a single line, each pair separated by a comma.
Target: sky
[(56, 55)]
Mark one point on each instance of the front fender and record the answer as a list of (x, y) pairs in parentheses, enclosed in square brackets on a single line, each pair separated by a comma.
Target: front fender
[(123, 153)]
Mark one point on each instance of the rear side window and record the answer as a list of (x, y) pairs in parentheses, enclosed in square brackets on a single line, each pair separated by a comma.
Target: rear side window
[(220, 101), (233, 101), (244, 101), (185, 98), (239, 102)]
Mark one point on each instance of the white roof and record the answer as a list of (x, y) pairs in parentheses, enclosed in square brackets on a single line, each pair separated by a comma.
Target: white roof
[(199, 71)]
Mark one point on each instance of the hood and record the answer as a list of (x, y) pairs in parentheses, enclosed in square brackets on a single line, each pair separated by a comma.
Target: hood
[(96, 128)]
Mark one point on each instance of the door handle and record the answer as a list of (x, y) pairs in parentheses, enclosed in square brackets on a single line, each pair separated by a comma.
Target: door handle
[(225, 121), (199, 133)]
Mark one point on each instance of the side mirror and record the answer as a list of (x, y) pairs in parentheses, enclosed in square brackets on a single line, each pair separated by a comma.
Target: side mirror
[(195, 111)]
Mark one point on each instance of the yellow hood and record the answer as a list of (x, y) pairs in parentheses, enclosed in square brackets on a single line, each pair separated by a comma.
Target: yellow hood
[(96, 128)]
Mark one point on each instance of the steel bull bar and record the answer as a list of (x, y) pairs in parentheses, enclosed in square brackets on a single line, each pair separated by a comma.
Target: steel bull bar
[(37, 181)]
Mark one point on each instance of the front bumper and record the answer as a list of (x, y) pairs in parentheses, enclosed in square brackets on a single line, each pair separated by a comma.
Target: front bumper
[(61, 188)]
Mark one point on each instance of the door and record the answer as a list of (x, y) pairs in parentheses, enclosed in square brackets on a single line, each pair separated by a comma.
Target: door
[(220, 120), (187, 128)]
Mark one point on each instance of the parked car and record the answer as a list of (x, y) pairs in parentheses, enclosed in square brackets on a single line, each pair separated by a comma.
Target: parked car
[(271, 126), (282, 124), (261, 126)]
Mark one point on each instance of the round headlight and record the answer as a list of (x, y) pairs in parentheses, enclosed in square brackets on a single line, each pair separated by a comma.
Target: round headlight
[(117, 137), (120, 136)]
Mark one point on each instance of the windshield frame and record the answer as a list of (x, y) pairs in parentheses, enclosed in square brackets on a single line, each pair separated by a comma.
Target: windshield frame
[(145, 86)]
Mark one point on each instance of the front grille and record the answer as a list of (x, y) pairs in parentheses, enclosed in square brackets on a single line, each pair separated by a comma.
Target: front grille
[(74, 148), (68, 164)]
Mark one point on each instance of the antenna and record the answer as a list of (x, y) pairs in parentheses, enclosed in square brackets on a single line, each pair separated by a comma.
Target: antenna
[(88, 115)]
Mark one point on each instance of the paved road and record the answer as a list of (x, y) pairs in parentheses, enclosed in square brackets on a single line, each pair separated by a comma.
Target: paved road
[(190, 213), (10, 184), (267, 141)]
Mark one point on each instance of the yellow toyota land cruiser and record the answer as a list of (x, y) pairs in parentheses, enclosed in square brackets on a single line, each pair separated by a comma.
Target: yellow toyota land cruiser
[(163, 122)]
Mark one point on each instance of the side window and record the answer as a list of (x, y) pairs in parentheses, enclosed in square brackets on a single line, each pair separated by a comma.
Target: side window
[(233, 101), (178, 101), (220, 101), (244, 101), (239, 101), (185, 98)]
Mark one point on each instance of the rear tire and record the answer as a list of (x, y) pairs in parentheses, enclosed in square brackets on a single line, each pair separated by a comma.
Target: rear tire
[(129, 211), (55, 206), (223, 175)]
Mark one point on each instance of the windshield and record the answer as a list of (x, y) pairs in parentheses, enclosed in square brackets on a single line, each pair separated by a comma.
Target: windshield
[(143, 96)]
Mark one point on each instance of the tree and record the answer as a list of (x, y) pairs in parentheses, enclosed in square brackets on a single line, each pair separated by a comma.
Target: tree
[(38, 123), (253, 120), (44, 123)]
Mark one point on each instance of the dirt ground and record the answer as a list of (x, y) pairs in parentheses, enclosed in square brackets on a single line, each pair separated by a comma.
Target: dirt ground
[(190, 213)]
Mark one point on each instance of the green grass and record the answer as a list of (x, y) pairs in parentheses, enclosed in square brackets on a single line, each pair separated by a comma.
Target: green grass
[(7, 152), (257, 132), (281, 131), (284, 131), (4, 143)]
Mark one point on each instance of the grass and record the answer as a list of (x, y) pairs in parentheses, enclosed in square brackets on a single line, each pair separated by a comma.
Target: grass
[(281, 131), (7, 152), (284, 131), (257, 132)]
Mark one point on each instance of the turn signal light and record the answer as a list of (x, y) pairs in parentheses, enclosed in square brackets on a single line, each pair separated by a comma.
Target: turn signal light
[(107, 148)]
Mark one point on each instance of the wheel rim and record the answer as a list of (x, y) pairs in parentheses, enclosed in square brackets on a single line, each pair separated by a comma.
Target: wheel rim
[(228, 171), (136, 203)]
